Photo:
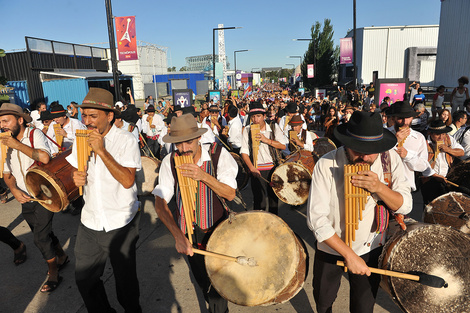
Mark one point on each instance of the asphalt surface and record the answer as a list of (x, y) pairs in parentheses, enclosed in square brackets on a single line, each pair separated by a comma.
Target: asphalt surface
[(165, 281)]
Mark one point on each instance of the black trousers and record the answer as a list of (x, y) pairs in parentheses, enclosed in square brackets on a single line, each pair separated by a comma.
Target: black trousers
[(153, 146), (261, 190), (217, 304), (92, 249), (7, 237), (327, 279), (39, 220)]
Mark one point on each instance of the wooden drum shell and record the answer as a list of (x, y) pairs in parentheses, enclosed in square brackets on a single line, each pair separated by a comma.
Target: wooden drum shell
[(53, 181), (147, 178)]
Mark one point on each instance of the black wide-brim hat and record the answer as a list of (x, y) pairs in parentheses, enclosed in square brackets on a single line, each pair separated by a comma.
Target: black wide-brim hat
[(256, 108), (57, 110), (364, 133), (45, 116), (438, 127), (402, 109)]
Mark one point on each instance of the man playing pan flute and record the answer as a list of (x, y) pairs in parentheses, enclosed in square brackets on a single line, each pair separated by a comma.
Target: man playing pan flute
[(68, 127), (413, 151), (109, 225), (27, 146), (301, 138), (271, 141), (365, 141), (215, 171)]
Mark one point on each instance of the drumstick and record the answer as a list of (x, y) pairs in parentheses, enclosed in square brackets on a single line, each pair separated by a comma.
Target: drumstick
[(464, 189), (242, 260), (48, 201), (422, 278)]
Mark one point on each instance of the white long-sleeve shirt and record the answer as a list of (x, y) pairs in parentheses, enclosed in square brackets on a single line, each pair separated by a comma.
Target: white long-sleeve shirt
[(235, 132), (326, 208), (416, 159), (464, 141), (70, 128), (440, 166)]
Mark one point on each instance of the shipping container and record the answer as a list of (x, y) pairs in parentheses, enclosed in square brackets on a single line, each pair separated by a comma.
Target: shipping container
[(20, 88)]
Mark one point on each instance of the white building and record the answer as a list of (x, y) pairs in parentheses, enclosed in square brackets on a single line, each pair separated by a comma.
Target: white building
[(394, 52), (453, 59), (152, 60)]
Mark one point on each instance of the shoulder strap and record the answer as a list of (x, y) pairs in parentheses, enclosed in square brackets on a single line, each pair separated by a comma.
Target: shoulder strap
[(216, 149)]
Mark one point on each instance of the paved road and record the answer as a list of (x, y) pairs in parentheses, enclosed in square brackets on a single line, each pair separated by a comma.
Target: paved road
[(165, 281)]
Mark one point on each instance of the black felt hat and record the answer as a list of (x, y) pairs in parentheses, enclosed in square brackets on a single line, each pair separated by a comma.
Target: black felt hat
[(256, 108), (57, 110), (364, 133), (438, 127), (402, 110)]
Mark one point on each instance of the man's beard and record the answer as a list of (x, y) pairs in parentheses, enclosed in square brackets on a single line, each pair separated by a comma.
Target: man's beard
[(15, 131), (358, 160)]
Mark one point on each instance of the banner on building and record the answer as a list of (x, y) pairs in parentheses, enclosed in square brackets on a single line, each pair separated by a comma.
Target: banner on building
[(310, 72), (345, 50), (126, 39)]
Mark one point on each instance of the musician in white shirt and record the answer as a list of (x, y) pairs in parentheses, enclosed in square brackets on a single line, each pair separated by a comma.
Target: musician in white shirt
[(152, 126)]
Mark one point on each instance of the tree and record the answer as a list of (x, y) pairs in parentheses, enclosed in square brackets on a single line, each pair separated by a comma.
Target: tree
[(322, 53), (183, 69), (171, 69)]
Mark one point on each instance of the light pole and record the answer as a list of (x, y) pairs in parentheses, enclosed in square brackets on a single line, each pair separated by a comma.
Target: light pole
[(112, 48), (213, 50), (314, 54), (235, 61)]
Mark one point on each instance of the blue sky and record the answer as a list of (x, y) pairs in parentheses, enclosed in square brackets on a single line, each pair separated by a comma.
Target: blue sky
[(186, 26)]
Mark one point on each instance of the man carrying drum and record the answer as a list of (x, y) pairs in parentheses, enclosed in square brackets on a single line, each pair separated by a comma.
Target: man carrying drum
[(302, 138), (365, 141), (110, 218), (216, 172), (271, 141), (27, 146)]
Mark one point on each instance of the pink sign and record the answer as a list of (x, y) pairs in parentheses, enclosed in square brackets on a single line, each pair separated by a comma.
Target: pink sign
[(396, 92), (125, 35), (310, 72), (345, 50)]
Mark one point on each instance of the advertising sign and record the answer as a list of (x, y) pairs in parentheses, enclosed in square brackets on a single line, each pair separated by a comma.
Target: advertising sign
[(320, 93), (214, 95), (396, 91), (125, 35), (183, 97), (310, 72), (345, 50)]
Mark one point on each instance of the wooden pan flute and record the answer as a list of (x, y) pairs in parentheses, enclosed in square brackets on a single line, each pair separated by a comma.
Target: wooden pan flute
[(355, 199), (58, 137), (255, 142), (4, 149), (188, 189), (83, 150)]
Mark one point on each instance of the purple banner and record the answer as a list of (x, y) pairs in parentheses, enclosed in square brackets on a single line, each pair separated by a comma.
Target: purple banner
[(345, 50)]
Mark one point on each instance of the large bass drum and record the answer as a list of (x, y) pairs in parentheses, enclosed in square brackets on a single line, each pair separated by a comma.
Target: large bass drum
[(53, 181), (460, 175), (281, 258), (430, 249), (322, 146), (147, 178), (243, 174), (291, 180), (451, 209)]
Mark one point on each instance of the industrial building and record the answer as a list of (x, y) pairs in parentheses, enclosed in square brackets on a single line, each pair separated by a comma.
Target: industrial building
[(407, 51), (200, 62), (453, 59)]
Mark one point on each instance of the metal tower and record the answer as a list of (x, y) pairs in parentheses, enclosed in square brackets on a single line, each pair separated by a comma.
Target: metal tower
[(222, 57)]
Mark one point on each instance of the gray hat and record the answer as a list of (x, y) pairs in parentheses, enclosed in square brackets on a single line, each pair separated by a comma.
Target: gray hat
[(13, 109), (183, 128)]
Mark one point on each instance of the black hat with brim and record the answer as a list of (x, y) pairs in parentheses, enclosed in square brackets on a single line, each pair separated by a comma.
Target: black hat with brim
[(438, 127), (57, 110), (256, 108), (364, 133), (45, 116), (402, 109)]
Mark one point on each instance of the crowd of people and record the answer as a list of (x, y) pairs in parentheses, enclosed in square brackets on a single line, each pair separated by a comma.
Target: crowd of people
[(409, 153)]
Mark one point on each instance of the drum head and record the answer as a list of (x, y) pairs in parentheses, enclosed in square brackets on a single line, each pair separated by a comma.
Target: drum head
[(281, 260), (291, 183), (459, 174), (43, 185), (243, 175), (322, 146), (147, 178), (435, 250), (451, 209)]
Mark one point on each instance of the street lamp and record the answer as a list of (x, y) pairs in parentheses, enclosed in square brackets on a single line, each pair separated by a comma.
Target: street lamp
[(314, 53), (213, 49), (235, 61)]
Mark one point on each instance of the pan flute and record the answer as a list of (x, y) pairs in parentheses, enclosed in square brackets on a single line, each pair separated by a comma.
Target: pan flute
[(255, 142), (4, 149), (436, 153), (287, 121), (188, 189), (58, 137), (83, 150), (355, 199), (400, 143)]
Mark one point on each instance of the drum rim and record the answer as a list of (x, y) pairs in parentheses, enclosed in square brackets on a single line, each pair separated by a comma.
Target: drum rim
[(54, 181), (291, 163)]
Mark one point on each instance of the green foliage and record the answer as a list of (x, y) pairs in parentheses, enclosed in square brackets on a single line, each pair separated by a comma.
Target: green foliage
[(183, 69), (2, 53), (322, 50), (171, 69)]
